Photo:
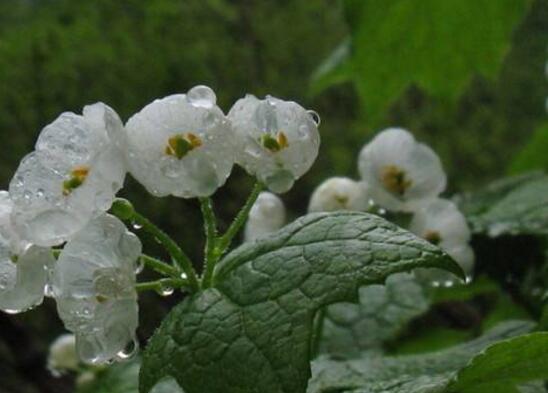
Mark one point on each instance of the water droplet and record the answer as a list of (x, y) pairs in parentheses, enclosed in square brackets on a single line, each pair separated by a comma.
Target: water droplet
[(184, 276), (27, 195), (139, 266), (381, 211), (48, 290), (202, 96), (136, 226), (165, 290), (40, 193), (315, 117), (129, 351)]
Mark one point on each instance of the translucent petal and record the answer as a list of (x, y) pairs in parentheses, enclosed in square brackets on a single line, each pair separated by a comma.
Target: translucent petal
[(94, 285), (46, 212), (278, 141), (197, 172)]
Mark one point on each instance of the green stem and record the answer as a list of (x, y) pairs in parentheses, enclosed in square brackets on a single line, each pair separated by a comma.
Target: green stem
[(178, 255), (210, 228), (224, 241), (161, 284), (160, 266)]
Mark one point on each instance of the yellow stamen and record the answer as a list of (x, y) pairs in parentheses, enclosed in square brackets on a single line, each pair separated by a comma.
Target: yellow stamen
[(395, 180), (180, 145), (77, 177), (272, 144), (433, 237)]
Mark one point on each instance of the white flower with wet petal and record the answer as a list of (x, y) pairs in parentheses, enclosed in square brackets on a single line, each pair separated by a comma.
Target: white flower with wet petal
[(94, 286), (72, 176), (339, 193), (441, 223), (180, 145), (23, 267), (278, 141), (402, 174), (266, 216), (62, 354)]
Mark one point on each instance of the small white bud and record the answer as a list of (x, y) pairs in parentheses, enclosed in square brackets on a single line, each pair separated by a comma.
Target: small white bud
[(339, 193), (62, 354), (266, 216)]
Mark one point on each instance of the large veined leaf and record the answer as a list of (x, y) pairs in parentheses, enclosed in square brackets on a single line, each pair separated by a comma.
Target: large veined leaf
[(437, 45), (382, 312), (520, 359), (252, 332), (425, 373), (516, 205)]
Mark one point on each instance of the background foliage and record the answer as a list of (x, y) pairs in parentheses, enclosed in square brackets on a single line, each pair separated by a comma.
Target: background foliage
[(361, 65)]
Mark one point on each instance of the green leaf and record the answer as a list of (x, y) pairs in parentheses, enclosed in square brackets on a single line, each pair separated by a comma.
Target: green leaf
[(512, 206), (334, 70), (533, 155), (425, 373), (521, 359), (381, 314), (437, 45), (252, 332)]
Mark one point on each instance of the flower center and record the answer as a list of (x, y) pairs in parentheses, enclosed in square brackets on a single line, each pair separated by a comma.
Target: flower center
[(342, 200), (182, 144), (111, 283), (395, 180), (77, 177), (433, 237), (272, 144)]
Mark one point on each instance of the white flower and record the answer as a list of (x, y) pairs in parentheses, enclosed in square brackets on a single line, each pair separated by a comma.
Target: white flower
[(278, 141), (402, 174), (71, 177), (180, 145), (441, 223), (266, 216), (339, 193), (23, 267), (62, 354), (94, 286)]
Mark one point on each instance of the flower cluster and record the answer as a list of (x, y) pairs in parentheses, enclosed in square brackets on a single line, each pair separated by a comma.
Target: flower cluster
[(399, 176), (58, 202)]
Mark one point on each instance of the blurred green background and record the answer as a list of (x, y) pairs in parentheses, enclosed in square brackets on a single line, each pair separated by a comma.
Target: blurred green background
[(466, 77)]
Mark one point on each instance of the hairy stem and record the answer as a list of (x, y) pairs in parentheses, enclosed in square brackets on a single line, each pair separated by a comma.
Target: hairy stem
[(178, 255), (160, 266), (224, 241), (210, 228), (162, 284)]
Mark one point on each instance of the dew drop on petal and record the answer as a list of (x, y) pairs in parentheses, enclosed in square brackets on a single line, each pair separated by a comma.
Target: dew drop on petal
[(201, 96), (129, 351), (315, 117), (139, 266)]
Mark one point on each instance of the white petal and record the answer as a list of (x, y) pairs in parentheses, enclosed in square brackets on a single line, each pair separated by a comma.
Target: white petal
[(203, 169), (266, 216), (94, 286), (339, 193), (443, 217), (43, 213), (253, 119), (397, 149)]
